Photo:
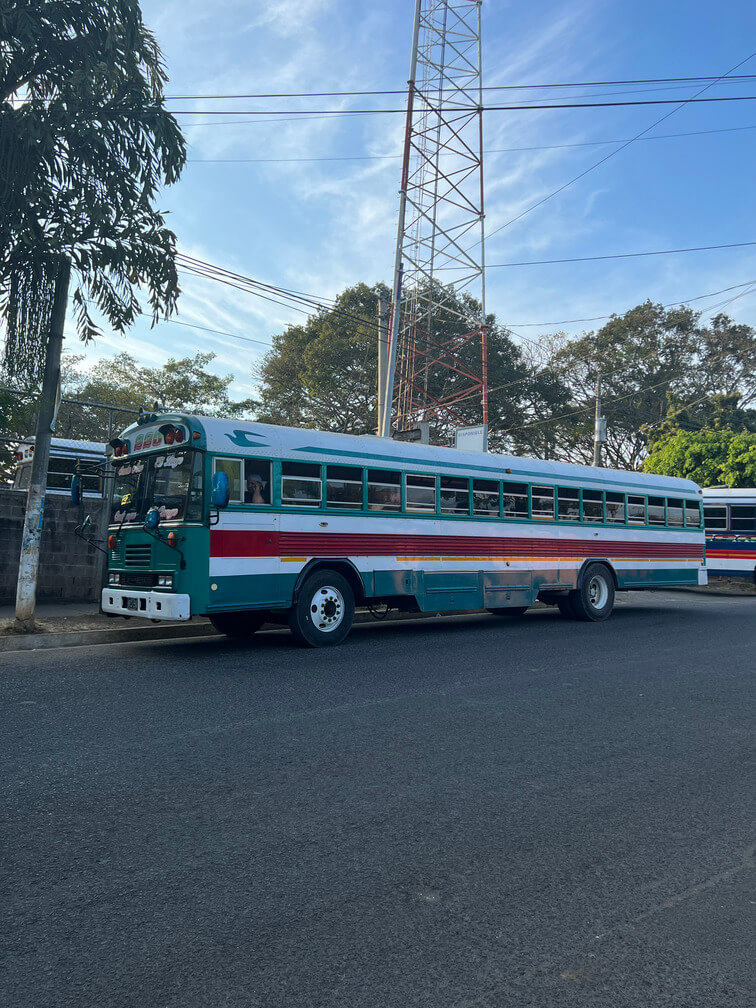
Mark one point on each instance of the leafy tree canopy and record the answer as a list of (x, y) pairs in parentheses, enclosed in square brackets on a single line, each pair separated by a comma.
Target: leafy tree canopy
[(85, 144), (709, 457)]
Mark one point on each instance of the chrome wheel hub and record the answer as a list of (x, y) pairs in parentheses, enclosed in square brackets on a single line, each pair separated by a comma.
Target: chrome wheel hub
[(598, 592), (327, 608)]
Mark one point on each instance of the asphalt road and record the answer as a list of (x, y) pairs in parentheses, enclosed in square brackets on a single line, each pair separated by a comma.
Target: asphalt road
[(464, 813)]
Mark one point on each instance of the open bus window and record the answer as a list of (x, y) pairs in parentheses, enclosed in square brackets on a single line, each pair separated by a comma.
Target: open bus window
[(543, 502), (615, 507), (692, 514), (568, 504), (344, 487), (301, 484), (656, 515), (715, 517), (486, 498), (455, 495), (636, 510), (421, 493), (674, 512), (233, 469), (515, 500), (384, 490), (256, 481), (593, 505), (743, 518)]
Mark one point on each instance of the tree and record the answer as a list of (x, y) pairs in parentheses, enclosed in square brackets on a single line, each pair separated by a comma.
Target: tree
[(183, 385), (323, 374), (85, 144), (709, 457)]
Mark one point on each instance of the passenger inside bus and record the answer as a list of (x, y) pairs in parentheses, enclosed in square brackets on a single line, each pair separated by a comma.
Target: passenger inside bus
[(257, 475)]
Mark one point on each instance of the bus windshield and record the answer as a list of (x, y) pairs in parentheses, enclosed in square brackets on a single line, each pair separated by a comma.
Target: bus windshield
[(170, 482)]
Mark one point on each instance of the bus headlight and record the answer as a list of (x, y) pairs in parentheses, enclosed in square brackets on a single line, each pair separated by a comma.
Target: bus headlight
[(165, 581), (114, 579)]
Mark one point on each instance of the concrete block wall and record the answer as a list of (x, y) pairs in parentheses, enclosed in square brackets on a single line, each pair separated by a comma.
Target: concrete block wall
[(70, 570)]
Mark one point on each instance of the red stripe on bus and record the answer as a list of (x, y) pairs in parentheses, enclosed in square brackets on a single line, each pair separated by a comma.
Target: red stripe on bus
[(247, 543)]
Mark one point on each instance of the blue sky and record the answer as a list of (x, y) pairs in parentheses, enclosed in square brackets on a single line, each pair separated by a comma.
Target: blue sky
[(319, 226)]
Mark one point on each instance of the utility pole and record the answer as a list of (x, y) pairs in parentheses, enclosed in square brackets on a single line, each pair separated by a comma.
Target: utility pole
[(35, 502), (383, 330), (599, 428)]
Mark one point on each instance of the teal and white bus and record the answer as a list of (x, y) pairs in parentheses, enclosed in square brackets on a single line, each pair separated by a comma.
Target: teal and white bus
[(248, 523)]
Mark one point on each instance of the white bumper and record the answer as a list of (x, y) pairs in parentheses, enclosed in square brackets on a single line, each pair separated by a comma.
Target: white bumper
[(124, 601)]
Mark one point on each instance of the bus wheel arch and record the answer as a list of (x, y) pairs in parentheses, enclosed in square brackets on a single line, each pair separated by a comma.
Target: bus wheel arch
[(341, 566), (593, 599)]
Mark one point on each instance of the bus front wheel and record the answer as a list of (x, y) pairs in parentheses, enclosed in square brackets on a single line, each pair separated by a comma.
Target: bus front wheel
[(323, 613), (239, 624), (594, 599)]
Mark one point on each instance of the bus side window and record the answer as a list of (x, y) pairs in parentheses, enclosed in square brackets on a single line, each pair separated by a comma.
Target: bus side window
[(543, 502), (674, 512), (615, 507), (568, 506), (256, 481), (420, 493), (515, 500), (384, 490), (593, 505), (636, 510), (301, 484), (232, 467), (486, 498), (742, 518), (455, 495), (692, 514), (656, 511), (344, 487), (715, 517)]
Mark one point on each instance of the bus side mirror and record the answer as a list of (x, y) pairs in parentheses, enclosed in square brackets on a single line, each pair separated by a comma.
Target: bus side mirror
[(152, 519), (76, 490), (220, 491)]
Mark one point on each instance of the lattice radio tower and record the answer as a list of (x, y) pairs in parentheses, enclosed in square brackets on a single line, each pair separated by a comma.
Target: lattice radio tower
[(438, 352)]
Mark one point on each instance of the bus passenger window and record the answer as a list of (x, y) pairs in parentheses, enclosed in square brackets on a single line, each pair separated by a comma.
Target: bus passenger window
[(257, 481), (233, 469), (615, 507), (300, 484), (593, 505), (568, 504), (715, 517), (455, 495), (693, 514), (486, 498), (742, 518), (515, 500), (674, 512), (656, 511), (344, 487), (636, 510), (384, 490), (421, 493), (543, 502)]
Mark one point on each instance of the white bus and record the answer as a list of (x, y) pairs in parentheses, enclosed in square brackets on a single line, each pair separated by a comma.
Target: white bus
[(248, 523), (64, 456), (730, 520)]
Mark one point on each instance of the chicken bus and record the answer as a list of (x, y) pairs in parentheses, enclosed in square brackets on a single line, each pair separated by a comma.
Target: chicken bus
[(730, 522), (248, 523)]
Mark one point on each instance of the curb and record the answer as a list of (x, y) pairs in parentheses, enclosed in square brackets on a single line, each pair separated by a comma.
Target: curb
[(14, 643)]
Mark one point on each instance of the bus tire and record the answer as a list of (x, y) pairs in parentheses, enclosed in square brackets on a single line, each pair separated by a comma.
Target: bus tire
[(565, 606), (239, 624), (323, 613), (594, 599), (511, 612)]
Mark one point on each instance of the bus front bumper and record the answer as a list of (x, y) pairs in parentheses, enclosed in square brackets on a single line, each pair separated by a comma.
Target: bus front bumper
[(152, 605)]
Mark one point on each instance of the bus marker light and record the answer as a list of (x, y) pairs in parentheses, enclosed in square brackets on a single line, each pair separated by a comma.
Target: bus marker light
[(172, 539), (111, 542)]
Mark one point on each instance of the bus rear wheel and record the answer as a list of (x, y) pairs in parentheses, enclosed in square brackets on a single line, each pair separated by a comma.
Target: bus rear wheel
[(239, 624), (594, 599), (511, 612), (323, 613)]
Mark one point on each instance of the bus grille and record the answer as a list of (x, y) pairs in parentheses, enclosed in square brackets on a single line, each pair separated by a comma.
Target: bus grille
[(136, 580), (137, 555)]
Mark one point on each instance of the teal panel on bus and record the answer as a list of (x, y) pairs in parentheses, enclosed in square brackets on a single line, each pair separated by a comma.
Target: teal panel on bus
[(251, 591)]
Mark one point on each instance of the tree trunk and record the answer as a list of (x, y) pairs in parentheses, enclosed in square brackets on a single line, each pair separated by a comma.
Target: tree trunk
[(35, 502)]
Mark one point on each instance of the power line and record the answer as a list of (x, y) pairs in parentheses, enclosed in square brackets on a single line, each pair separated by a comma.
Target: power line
[(621, 255), (490, 150), (626, 144)]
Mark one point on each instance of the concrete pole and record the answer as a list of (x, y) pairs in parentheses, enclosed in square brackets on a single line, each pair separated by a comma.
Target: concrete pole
[(383, 323), (597, 428), (28, 567)]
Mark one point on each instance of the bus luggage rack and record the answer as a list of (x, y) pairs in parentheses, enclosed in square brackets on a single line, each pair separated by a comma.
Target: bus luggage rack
[(137, 555)]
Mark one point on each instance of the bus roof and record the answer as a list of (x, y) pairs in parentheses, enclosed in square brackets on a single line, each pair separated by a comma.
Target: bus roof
[(68, 446), (242, 437), (729, 495)]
